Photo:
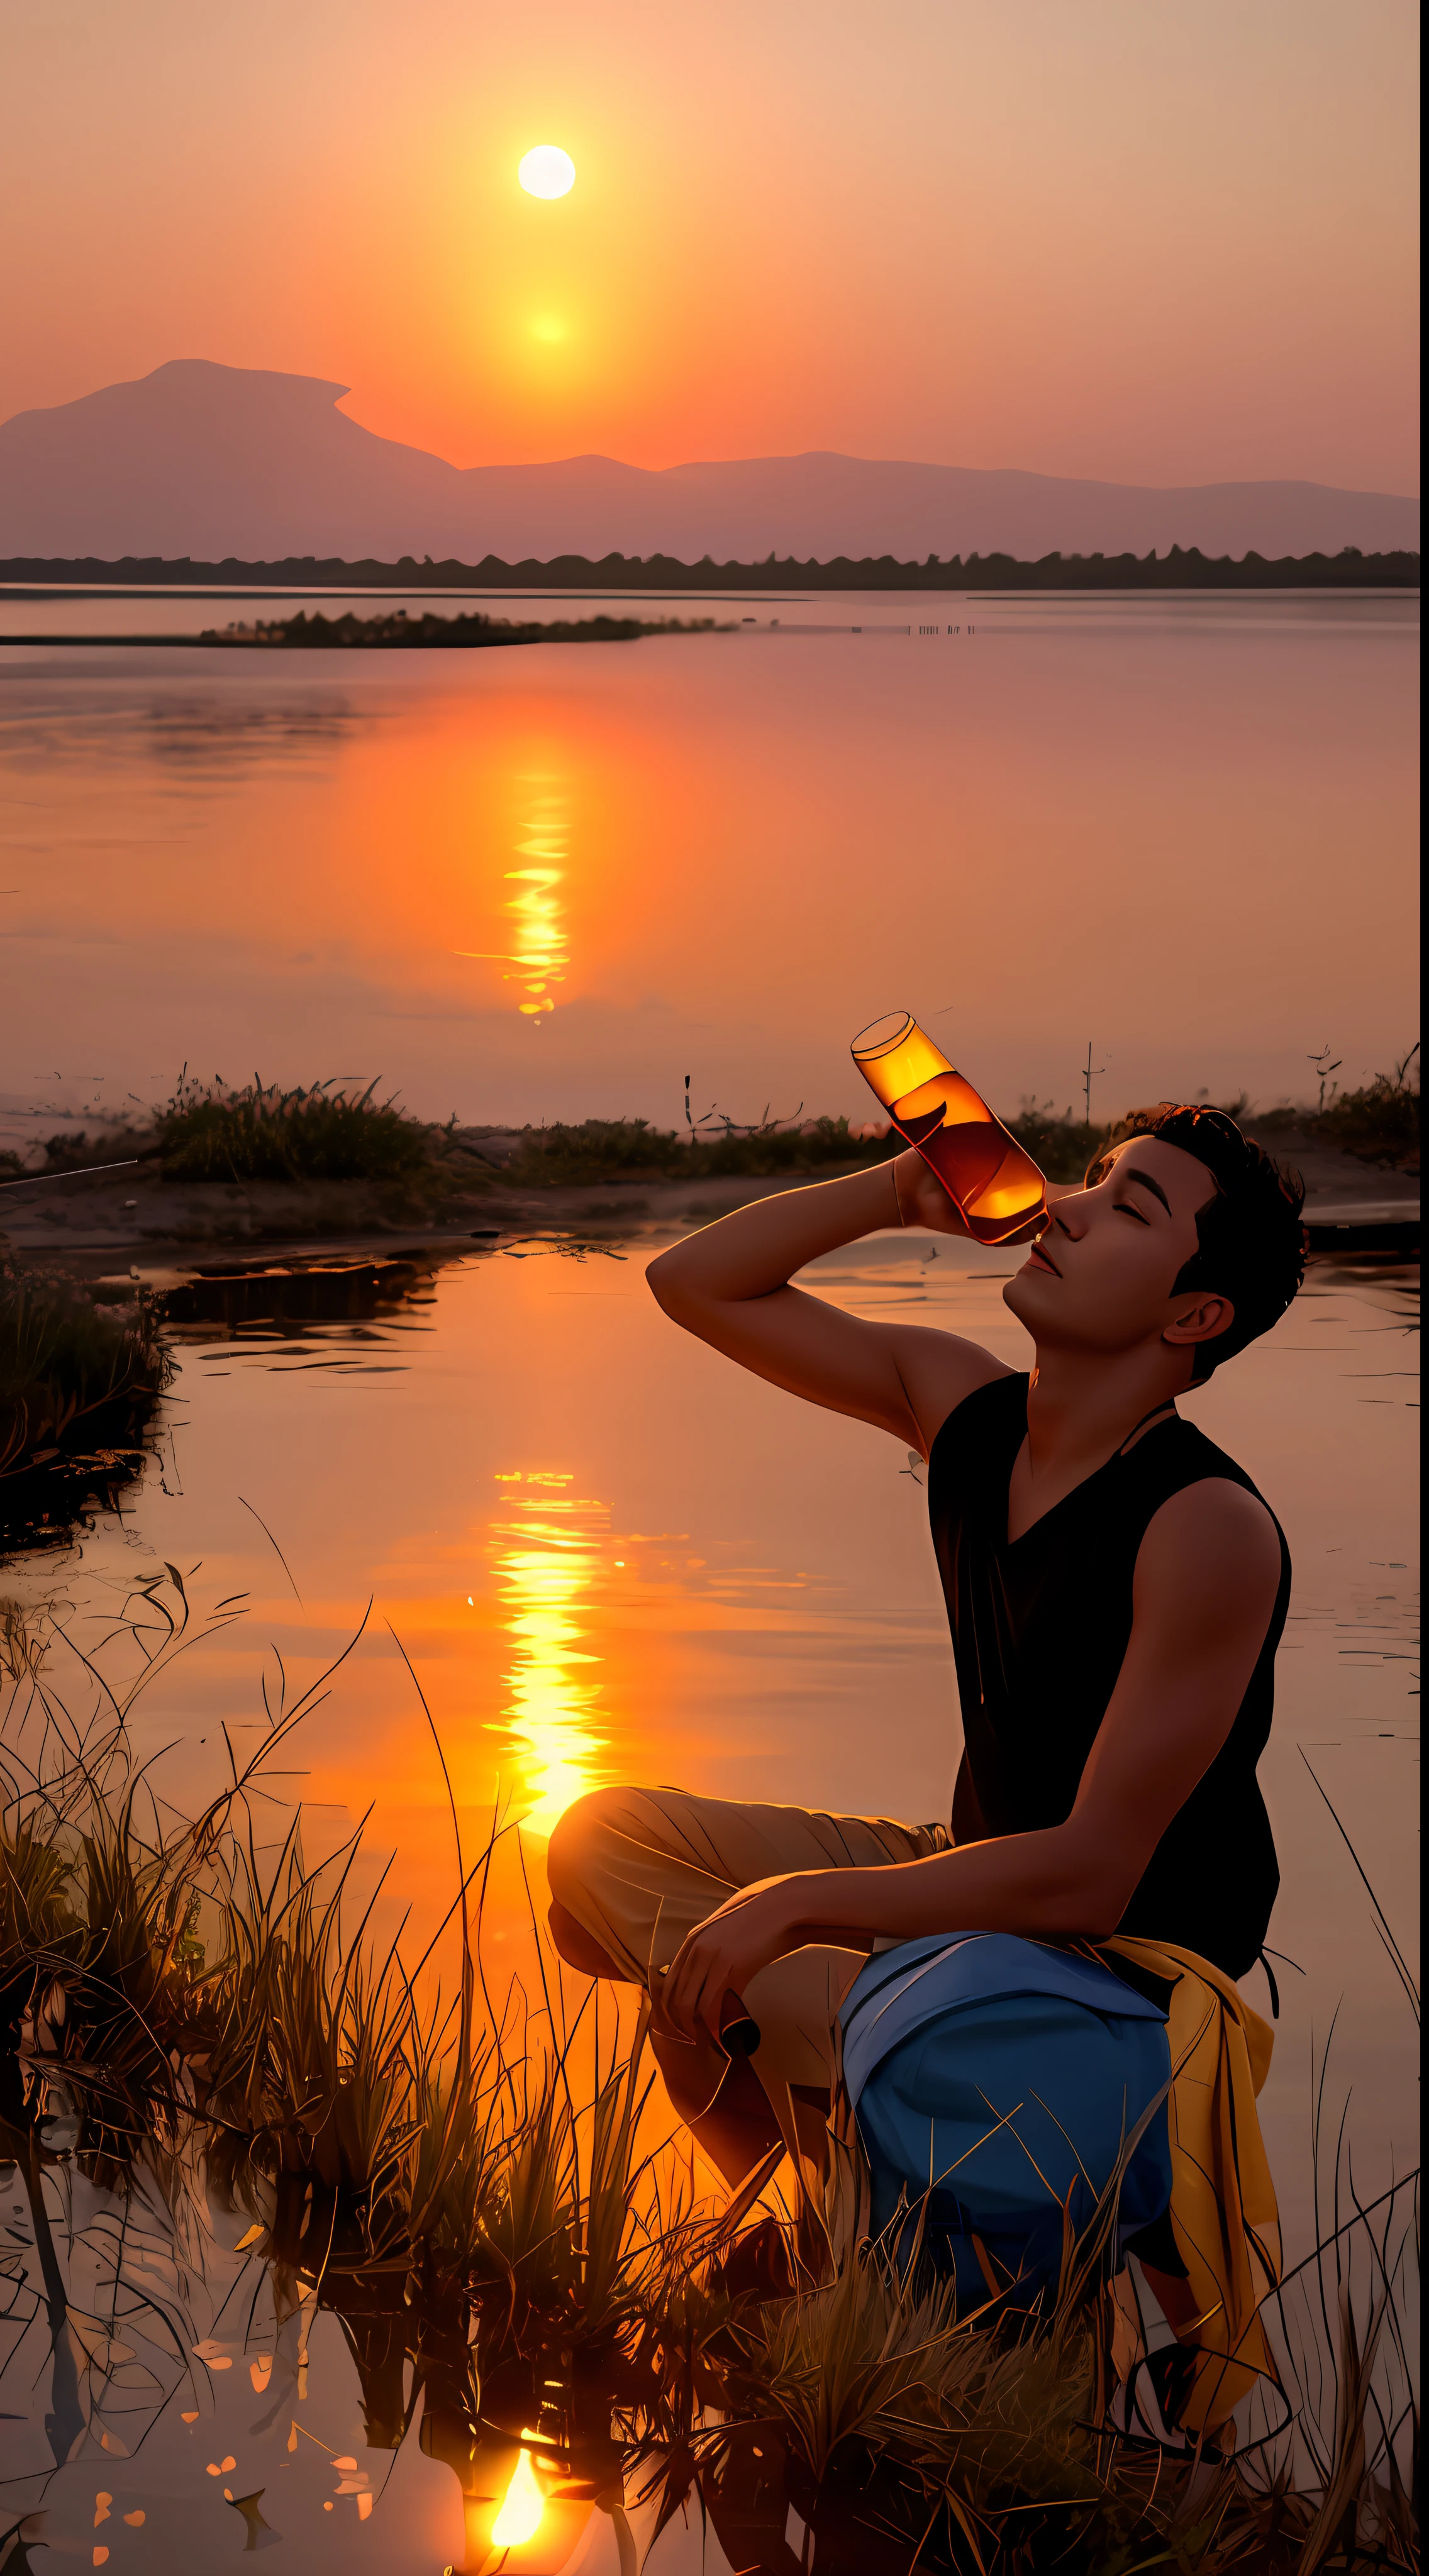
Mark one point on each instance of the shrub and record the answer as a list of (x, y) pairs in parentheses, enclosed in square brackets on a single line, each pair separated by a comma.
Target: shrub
[(1061, 1147), (606, 1149), (1379, 1122), (80, 1153), (818, 1144), (263, 1134)]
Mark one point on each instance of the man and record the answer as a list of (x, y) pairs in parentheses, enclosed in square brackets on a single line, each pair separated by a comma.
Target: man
[(1116, 1589)]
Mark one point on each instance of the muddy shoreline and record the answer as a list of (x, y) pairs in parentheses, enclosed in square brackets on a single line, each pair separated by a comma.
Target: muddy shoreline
[(90, 1224)]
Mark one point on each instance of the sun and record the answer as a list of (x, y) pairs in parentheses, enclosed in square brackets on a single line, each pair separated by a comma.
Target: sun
[(547, 171)]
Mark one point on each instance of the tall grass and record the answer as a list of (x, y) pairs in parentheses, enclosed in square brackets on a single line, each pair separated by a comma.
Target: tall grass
[(478, 2187), (214, 1132)]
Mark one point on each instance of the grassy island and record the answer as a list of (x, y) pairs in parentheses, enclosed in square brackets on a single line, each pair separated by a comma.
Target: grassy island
[(395, 628)]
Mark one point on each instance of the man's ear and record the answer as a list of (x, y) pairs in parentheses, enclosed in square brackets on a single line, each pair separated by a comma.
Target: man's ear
[(1202, 1320)]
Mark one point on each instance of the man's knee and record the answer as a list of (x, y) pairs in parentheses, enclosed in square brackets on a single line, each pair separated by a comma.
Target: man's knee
[(575, 1842), (573, 1857), (579, 1948)]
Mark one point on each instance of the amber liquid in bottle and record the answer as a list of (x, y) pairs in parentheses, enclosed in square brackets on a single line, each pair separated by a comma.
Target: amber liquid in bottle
[(996, 1187)]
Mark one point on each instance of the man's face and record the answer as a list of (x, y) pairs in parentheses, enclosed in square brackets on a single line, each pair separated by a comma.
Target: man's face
[(1100, 1278)]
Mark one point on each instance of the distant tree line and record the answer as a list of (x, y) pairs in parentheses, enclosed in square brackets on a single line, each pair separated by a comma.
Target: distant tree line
[(1183, 568)]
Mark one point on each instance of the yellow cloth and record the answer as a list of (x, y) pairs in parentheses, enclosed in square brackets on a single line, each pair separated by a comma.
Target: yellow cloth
[(1223, 2211)]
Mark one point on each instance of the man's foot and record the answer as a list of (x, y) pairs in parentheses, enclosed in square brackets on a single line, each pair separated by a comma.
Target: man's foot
[(737, 2129)]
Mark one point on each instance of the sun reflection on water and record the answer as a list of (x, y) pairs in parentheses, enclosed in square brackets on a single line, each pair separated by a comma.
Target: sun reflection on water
[(541, 955), (550, 1553)]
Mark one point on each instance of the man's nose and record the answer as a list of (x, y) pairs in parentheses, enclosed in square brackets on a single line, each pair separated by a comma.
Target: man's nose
[(1069, 1214)]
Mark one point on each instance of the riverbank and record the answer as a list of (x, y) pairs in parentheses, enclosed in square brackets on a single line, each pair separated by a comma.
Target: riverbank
[(217, 1167), (136, 1213)]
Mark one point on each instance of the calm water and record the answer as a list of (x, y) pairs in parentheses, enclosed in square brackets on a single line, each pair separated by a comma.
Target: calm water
[(610, 1554), (1181, 828), (552, 882)]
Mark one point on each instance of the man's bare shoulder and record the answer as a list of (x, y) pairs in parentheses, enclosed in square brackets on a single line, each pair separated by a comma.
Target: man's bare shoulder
[(939, 1370), (1211, 1548)]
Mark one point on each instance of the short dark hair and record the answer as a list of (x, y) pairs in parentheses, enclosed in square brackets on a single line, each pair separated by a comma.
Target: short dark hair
[(1250, 1242)]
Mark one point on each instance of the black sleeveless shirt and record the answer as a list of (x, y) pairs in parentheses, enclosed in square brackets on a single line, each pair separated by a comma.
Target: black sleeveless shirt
[(1040, 1627)]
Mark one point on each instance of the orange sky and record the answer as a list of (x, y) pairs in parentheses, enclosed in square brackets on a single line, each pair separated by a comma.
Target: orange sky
[(1125, 238)]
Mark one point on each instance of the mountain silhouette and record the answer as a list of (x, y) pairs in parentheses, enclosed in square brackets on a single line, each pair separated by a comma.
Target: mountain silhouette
[(211, 461)]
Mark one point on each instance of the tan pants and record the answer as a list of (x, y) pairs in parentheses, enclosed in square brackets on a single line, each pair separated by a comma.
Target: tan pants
[(636, 1869)]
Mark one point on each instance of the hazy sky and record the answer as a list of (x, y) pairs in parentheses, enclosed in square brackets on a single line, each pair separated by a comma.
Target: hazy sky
[(1153, 240)]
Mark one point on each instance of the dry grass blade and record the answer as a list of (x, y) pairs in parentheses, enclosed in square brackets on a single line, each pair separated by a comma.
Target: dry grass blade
[(1334, 2526), (1396, 1956), (866, 2357)]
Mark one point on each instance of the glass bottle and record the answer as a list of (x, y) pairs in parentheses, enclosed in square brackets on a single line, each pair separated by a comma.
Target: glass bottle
[(996, 1187)]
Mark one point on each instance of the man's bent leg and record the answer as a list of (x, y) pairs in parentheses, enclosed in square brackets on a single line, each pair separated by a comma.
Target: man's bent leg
[(578, 1949), (632, 1871)]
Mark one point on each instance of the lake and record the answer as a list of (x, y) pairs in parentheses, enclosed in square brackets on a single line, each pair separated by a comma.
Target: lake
[(551, 882), (1179, 828)]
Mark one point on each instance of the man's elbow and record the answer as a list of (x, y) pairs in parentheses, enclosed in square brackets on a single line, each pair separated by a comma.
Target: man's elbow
[(662, 1278), (667, 1278)]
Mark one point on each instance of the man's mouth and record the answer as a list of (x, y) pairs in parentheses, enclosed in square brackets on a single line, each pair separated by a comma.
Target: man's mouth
[(1042, 1261)]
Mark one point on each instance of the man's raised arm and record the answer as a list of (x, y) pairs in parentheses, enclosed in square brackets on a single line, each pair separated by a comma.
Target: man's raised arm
[(730, 1285)]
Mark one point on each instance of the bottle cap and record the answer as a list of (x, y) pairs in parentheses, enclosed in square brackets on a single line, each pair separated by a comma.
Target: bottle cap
[(896, 1057)]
